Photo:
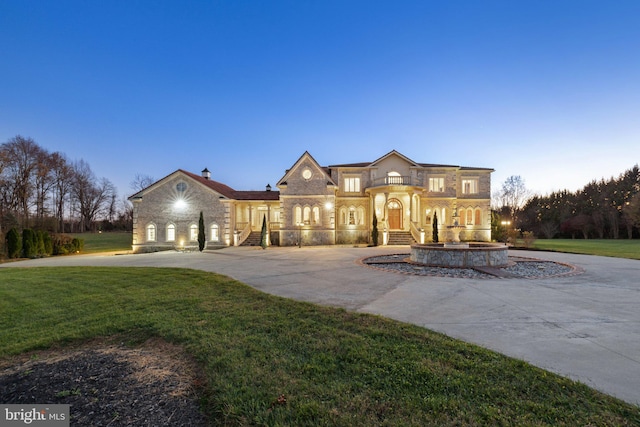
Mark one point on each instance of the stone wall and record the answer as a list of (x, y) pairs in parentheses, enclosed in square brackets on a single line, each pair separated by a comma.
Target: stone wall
[(493, 255)]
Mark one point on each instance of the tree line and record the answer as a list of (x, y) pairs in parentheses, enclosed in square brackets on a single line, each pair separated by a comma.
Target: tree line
[(46, 191), (601, 209)]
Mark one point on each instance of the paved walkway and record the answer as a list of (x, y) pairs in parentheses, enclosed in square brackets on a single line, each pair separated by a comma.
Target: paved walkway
[(585, 326)]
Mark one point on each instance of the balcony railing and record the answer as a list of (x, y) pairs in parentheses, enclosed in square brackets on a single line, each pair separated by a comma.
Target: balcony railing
[(394, 180)]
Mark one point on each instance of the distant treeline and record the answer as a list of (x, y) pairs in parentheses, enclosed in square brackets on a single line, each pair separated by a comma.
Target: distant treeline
[(602, 209), (45, 191)]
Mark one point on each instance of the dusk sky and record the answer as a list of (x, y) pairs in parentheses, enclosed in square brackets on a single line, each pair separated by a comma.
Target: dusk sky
[(548, 90)]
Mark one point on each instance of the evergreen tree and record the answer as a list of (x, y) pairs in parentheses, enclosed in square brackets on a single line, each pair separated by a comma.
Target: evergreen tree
[(374, 230), (48, 244), (434, 234), (201, 236), (263, 233), (14, 243), (40, 243), (29, 243)]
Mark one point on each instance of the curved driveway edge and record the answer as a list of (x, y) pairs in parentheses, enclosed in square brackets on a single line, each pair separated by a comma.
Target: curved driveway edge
[(584, 326)]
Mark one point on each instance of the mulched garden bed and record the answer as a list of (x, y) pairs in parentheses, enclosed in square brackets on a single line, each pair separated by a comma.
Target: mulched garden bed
[(112, 385)]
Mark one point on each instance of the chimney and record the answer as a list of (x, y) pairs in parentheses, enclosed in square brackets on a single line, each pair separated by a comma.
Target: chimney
[(206, 174)]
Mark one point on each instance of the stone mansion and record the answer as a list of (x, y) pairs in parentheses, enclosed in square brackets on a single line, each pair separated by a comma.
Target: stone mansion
[(317, 205)]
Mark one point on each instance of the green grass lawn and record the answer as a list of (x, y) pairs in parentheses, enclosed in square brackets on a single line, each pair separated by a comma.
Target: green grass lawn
[(105, 242), (334, 367), (605, 247)]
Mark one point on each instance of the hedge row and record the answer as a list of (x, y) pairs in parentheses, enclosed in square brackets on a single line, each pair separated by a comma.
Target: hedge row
[(37, 243)]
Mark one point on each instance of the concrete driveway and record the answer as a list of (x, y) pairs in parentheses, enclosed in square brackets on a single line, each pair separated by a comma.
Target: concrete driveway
[(584, 326)]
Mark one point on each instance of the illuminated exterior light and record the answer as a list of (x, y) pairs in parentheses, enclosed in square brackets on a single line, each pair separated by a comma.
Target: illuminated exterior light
[(328, 206), (180, 204)]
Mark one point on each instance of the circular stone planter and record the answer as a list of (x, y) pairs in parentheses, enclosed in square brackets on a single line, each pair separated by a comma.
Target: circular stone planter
[(448, 255)]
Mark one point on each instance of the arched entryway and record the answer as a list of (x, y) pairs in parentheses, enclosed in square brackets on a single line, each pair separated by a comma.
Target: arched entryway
[(394, 214)]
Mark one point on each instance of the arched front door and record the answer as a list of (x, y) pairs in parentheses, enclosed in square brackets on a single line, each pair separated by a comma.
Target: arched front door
[(394, 214)]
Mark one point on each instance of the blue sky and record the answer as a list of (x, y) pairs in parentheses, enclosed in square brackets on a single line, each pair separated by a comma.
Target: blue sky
[(548, 90)]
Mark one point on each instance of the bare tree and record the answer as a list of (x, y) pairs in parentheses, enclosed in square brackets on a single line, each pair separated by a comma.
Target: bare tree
[(44, 182), (141, 182), (62, 176), (514, 194), (91, 196), (22, 156)]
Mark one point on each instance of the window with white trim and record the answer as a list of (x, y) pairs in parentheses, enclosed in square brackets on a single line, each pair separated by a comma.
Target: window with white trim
[(297, 214), (214, 233), (470, 186), (306, 215), (193, 232), (151, 233), (352, 184), (171, 232), (436, 184)]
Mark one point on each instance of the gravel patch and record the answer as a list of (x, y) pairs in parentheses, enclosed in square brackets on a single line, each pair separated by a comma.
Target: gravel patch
[(518, 267), (113, 386)]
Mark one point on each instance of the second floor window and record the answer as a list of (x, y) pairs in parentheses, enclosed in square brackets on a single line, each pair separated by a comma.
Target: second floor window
[(352, 185), (469, 186), (436, 185)]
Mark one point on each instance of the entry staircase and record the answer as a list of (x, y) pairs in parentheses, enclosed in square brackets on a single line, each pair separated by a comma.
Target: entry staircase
[(253, 239), (400, 238)]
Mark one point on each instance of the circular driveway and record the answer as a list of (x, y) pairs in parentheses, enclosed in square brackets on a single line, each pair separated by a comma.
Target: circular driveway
[(584, 326)]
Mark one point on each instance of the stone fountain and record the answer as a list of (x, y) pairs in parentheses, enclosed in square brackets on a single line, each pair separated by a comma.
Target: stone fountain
[(455, 229), (459, 255)]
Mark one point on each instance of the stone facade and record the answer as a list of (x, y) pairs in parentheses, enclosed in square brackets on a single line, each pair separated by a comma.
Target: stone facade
[(317, 205)]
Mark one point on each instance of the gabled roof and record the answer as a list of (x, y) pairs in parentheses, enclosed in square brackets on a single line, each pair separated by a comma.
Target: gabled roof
[(394, 153), (283, 180), (216, 186)]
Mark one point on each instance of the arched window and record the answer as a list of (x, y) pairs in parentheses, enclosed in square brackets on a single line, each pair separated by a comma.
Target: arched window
[(478, 217), (443, 218), (307, 215), (469, 216), (343, 216), (214, 233), (316, 215), (171, 232), (151, 233), (463, 216), (193, 232), (297, 215), (360, 215)]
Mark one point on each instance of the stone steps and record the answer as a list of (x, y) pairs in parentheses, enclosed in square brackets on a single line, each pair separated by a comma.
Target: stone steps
[(400, 238)]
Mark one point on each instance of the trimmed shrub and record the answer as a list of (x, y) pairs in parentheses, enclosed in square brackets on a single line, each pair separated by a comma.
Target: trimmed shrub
[(64, 245), (39, 242), (29, 243), (374, 230), (78, 244), (48, 243), (14, 243)]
